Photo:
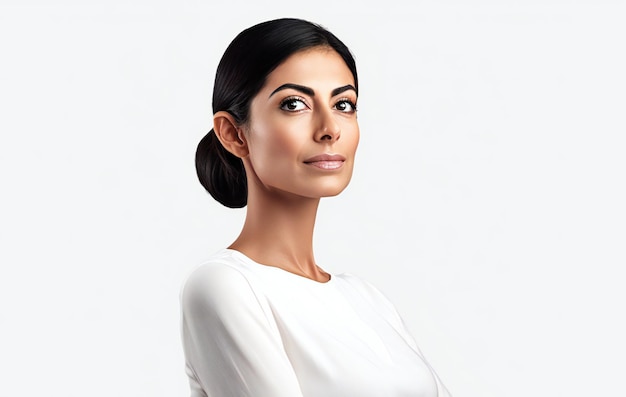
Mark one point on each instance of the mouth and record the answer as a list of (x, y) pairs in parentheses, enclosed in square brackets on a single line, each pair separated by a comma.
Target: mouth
[(326, 161)]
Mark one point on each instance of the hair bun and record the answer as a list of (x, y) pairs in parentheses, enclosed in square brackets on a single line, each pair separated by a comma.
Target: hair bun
[(221, 173)]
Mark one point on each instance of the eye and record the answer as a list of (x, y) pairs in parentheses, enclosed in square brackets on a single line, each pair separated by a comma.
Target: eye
[(345, 105), (293, 104)]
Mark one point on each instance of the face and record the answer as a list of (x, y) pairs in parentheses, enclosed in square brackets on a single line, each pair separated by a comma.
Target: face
[(302, 132)]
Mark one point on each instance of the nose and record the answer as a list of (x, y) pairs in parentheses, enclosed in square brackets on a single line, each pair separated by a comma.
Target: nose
[(327, 130)]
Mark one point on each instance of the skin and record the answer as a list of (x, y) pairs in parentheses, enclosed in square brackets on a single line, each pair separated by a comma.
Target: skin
[(286, 127)]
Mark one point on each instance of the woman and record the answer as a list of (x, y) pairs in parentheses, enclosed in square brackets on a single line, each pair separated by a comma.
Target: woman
[(260, 318)]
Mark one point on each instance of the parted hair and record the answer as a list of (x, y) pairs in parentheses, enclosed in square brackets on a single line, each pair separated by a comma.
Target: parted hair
[(240, 75)]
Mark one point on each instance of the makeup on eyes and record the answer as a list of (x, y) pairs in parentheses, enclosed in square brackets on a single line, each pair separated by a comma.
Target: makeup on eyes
[(349, 102), (293, 99), (311, 93), (284, 104)]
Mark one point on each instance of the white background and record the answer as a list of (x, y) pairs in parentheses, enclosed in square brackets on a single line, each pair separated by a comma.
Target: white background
[(487, 201)]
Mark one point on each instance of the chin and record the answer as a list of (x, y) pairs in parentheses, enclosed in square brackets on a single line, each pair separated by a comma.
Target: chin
[(332, 191), (332, 194)]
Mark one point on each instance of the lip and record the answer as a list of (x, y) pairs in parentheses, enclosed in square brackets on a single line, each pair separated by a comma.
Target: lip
[(325, 157), (326, 161)]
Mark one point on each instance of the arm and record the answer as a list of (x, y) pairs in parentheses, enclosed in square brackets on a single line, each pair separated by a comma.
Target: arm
[(232, 347)]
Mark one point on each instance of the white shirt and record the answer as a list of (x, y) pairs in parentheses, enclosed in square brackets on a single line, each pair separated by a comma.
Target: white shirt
[(252, 330)]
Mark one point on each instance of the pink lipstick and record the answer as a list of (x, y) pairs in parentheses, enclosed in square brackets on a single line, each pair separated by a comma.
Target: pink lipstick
[(326, 161)]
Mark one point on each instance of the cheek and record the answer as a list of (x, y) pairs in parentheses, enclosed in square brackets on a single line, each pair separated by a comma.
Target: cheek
[(352, 135), (273, 144)]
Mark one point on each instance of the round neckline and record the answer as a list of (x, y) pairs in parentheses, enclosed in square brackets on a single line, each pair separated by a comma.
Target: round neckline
[(240, 255)]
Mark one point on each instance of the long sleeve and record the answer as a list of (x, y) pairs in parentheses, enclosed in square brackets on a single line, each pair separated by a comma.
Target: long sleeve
[(232, 345)]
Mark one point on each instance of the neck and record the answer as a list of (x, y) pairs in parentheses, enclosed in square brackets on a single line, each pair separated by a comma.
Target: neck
[(278, 231)]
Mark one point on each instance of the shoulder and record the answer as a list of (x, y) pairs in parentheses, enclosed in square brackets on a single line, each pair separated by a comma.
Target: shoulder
[(216, 283), (368, 292), (378, 302)]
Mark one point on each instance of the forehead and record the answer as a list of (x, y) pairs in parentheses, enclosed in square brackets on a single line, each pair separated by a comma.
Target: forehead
[(320, 68)]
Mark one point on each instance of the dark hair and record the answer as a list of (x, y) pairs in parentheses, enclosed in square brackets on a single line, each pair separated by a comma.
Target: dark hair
[(240, 75)]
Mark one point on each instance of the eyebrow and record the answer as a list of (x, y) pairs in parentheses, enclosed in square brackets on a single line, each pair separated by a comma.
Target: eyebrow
[(309, 91)]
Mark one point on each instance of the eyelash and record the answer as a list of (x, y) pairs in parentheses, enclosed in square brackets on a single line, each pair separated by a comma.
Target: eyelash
[(349, 102), (287, 100)]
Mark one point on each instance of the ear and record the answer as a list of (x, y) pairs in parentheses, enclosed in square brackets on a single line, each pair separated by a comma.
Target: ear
[(230, 134)]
